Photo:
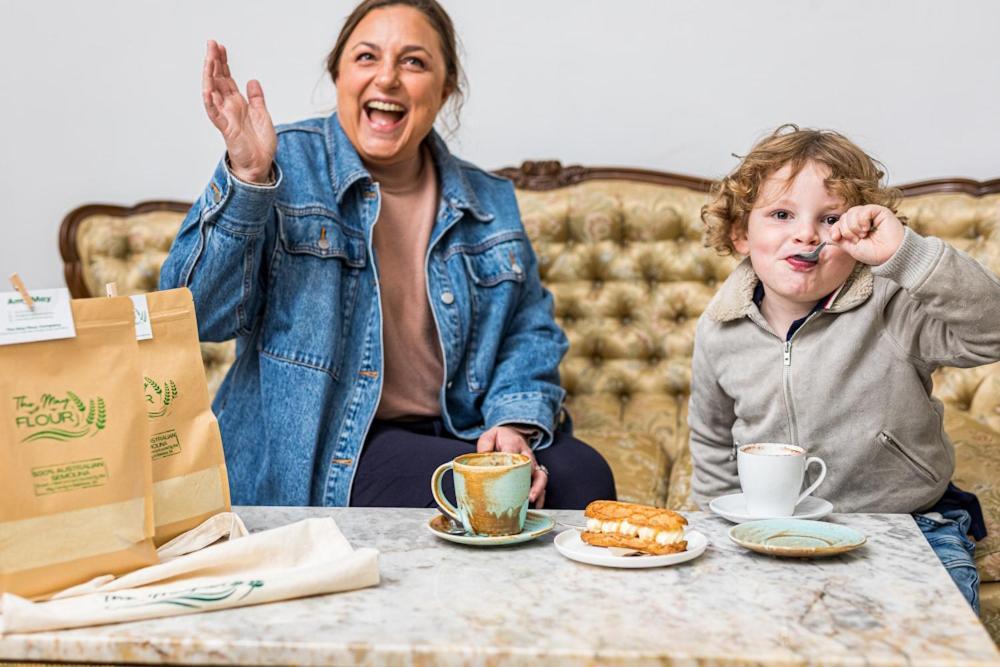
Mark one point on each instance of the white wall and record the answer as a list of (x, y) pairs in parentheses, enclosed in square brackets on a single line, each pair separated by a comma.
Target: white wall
[(100, 100)]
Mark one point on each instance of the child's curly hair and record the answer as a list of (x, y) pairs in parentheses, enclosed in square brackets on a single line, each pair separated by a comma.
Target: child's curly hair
[(854, 176)]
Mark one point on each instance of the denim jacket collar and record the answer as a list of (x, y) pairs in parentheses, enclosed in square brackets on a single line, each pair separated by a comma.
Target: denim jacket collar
[(346, 169)]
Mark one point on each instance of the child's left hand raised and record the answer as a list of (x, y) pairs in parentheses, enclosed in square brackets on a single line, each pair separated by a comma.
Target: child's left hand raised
[(870, 234)]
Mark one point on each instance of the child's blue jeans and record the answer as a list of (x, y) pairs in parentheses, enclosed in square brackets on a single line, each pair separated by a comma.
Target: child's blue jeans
[(950, 541)]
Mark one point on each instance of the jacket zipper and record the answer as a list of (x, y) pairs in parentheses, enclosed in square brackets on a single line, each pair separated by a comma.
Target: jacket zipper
[(786, 374), (793, 424), (889, 442), (378, 301)]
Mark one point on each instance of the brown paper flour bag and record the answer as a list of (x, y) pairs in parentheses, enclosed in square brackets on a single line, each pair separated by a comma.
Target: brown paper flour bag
[(189, 468), (76, 478)]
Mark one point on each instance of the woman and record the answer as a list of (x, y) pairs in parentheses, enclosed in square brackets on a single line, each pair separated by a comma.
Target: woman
[(385, 298)]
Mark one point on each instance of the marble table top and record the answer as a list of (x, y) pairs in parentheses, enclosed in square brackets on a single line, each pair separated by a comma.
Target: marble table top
[(888, 603)]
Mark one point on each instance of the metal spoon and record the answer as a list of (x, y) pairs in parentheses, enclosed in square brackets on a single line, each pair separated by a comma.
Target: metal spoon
[(572, 525), (813, 255), (453, 527)]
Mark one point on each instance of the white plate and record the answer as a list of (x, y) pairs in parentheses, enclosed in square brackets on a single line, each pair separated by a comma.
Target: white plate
[(569, 544), (734, 508)]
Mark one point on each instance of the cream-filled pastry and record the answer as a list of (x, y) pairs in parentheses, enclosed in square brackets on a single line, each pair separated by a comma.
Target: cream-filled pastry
[(648, 529)]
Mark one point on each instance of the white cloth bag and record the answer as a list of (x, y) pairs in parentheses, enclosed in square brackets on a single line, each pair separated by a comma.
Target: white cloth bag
[(310, 557)]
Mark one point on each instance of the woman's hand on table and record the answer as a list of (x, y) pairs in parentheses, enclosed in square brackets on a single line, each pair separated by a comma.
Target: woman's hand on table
[(244, 122), (508, 439)]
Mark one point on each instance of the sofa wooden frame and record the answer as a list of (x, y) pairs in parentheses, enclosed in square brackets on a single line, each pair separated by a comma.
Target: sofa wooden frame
[(531, 175)]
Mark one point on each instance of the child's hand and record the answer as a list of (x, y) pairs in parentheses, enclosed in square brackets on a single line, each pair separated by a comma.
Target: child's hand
[(870, 234)]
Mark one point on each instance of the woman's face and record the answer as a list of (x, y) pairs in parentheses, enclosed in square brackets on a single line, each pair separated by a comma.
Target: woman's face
[(391, 84)]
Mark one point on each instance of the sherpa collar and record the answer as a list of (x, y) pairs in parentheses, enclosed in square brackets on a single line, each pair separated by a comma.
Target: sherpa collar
[(735, 297)]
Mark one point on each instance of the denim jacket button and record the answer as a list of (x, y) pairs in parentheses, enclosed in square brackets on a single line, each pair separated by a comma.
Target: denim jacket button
[(447, 298)]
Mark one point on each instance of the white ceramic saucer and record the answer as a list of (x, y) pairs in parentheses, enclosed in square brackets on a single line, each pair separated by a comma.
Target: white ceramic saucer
[(734, 508)]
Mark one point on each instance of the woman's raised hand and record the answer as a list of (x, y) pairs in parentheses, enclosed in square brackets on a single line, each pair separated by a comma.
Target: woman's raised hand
[(244, 122)]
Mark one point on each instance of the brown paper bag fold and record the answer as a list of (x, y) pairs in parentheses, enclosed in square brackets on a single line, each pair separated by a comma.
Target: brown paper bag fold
[(189, 468)]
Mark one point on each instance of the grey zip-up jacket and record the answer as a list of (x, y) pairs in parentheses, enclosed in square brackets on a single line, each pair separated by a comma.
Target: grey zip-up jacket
[(853, 385)]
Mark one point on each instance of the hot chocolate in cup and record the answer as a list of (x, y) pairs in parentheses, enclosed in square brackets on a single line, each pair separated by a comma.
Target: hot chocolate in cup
[(491, 489), (771, 476)]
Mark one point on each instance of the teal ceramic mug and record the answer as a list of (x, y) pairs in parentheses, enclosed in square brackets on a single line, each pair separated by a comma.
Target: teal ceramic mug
[(491, 489)]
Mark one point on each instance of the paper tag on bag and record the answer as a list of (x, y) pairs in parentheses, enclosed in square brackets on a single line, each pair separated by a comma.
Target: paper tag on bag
[(51, 319), (143, 327)]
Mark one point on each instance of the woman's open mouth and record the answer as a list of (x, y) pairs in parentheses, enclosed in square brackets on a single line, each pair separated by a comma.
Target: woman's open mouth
[(384, 116)]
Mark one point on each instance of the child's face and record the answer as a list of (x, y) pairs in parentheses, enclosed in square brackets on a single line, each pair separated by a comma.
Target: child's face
[(790, 218)]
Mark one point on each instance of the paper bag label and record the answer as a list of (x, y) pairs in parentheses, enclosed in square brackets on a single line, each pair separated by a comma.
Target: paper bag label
[(58, 417), (51, 319), (143, 327), (69, 476), (164, 445)]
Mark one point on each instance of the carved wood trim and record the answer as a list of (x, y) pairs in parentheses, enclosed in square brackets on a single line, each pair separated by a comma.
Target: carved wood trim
[(551, 174), (72, 266), (958, 185)]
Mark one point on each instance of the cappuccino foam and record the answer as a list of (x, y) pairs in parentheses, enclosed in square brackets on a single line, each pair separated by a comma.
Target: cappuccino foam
[(771, 450)]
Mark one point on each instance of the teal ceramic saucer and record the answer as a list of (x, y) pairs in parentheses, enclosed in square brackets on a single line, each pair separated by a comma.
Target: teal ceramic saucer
[(535, 525), (796, 538)]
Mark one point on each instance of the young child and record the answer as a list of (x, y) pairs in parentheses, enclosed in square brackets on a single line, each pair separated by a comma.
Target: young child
[(836, 354)]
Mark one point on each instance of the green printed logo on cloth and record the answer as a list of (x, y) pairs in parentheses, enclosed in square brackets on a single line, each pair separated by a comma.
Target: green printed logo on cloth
[(60, 418), (193, 598)]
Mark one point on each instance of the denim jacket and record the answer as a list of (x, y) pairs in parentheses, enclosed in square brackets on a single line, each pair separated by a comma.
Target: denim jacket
[(289, 271)]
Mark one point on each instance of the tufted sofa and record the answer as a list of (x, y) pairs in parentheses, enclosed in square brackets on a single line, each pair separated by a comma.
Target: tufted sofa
[(621, 251)]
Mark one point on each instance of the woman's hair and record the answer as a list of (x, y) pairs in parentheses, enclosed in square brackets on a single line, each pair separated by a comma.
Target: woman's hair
[(855, 177), (439, 20)]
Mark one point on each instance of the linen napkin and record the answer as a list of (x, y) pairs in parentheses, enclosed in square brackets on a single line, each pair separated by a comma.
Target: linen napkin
[(310, 557)]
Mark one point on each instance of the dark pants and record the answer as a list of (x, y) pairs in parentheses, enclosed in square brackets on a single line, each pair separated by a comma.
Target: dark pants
[(399, 458)]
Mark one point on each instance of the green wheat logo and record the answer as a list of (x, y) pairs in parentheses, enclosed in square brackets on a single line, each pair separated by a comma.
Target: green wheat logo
[(159, 397), (191, 598), (59, 418)]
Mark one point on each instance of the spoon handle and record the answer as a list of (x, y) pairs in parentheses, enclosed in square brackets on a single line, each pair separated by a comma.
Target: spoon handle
[(813, 254)]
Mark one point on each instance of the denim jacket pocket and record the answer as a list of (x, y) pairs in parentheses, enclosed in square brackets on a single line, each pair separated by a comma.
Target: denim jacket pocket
[(496, 263), (313, 289), (317, 232), (496, 272), (891, 444)]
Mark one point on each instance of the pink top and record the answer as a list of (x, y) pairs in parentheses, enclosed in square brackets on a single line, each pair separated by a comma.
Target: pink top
[(413, 370)]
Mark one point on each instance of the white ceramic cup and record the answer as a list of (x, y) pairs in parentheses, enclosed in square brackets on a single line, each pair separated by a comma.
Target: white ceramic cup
[(771, 476)]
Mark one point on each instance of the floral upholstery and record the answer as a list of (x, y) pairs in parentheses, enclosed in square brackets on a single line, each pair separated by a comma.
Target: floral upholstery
[(630, 276), (128, 250)]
